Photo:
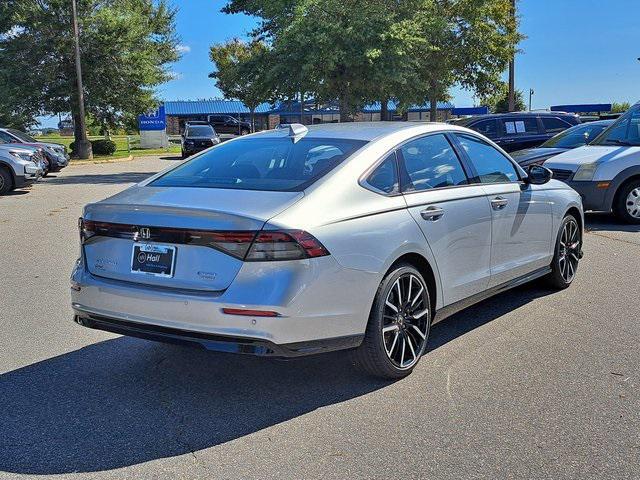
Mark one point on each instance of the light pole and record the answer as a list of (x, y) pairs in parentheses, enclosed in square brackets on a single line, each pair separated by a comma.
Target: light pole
[(512, 68), (83, 145), (531, 93)]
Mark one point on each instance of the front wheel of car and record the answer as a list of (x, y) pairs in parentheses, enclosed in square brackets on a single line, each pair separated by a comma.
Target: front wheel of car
[(398, 328), (627, 205), (567, 253), (6, 183)]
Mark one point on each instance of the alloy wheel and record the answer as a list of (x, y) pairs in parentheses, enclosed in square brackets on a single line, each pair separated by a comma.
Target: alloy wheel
[(633, 203), (406, 320), (569, 254)]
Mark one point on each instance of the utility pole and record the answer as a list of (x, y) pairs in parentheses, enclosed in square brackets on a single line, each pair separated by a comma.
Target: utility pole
[(83, 145), (531, 93), (512, 68)]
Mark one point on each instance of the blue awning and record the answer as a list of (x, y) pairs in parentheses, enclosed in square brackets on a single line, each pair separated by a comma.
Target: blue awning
[(584, 108), (211, 107)]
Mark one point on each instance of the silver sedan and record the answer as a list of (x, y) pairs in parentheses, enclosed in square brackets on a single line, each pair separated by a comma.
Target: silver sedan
[(305, 240)]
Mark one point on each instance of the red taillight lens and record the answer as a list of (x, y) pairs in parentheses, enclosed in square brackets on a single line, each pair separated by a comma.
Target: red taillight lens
[(285, 245)]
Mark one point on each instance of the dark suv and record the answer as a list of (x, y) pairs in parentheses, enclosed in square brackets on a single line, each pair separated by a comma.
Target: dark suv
[(198, 137), (519, 130), (228, 124)]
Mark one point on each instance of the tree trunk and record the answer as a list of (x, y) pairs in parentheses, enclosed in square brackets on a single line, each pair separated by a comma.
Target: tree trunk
[(345, 108), (433, 110), (253, 120), (384, 109)]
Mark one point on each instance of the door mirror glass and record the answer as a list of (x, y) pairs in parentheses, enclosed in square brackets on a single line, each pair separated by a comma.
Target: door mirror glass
[(539, 175)]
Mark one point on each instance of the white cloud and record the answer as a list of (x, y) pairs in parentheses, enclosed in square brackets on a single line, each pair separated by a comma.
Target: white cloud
[(183, 48)]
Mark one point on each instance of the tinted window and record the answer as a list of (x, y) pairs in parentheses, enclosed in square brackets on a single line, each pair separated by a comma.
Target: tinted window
[(554, 125), (385, 176), (430, 162), (575, 137), (520, 126), (216, 119), (625, 131), (488, 128), (200, 131), (491, 165), (274, 164)]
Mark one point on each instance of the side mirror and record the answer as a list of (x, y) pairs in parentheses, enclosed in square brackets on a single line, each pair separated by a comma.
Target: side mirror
[(539, 175)]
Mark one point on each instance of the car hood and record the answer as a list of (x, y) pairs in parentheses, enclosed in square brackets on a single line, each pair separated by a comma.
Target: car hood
[(572, 159), (534, 153), (18, 146)]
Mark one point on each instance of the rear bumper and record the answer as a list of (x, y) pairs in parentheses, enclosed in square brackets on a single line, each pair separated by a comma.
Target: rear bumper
[(218, 343), (316, 299)]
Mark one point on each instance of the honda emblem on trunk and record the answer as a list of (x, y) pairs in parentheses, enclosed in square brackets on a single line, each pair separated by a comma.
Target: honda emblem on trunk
[(144, 233)]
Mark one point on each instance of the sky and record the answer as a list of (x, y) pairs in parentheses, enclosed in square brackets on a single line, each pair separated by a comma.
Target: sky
[(575, 51)]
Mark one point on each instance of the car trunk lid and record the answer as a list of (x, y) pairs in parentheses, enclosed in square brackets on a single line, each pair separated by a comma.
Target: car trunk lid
[(178, 220)]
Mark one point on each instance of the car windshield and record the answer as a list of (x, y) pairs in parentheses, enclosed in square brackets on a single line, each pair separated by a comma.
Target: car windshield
[(575, 137), (271, 164), (22, 136), (624, 132), (200, 131)]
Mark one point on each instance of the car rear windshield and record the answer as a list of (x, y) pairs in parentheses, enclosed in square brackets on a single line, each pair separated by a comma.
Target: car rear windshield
[(574, 137), (200, 131), (272, 164)]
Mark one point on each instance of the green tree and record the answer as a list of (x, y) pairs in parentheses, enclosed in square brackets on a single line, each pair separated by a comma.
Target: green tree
[(241, 70), (464, 42), (620, 107), (412, 51), (126, 49), (498, 100)]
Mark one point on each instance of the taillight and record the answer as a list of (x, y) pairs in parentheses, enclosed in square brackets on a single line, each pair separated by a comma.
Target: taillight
[(247, 245), (285, 245)]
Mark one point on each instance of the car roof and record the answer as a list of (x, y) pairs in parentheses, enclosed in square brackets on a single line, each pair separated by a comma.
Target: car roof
[(366, 131), (490, 116)]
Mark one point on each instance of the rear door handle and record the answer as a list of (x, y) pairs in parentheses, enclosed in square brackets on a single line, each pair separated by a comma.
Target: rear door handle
[(432, 213), (499, 203)]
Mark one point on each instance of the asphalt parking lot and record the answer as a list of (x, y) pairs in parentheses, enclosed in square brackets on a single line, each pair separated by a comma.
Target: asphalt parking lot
[(529, 384)]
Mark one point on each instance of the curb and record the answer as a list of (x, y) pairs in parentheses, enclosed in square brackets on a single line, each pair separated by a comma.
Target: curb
[(101, 160)]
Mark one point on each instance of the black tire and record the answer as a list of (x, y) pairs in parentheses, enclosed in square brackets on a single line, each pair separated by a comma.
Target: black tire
[(184, 155), (6, 181), (568, 252), (627, 204), (382, 354)]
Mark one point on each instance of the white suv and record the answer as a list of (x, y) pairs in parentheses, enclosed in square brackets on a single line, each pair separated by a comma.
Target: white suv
[(606, 173), (19, 166)]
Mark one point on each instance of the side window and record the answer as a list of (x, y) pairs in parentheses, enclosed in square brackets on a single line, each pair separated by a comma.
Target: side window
[(488, 128), (430, 162), (554, 125), (385, 176), (491, 165), (521, 126)]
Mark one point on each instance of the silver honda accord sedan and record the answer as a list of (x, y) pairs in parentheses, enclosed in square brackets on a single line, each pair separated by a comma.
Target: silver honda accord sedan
[(299, 241)]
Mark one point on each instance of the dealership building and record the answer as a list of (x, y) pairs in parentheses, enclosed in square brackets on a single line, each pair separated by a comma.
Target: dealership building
[(269, 115)]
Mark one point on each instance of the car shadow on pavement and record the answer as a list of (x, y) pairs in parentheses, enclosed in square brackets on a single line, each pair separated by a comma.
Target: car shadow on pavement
[(126, 401), (601, 222), (97, 179), (484, 312)]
